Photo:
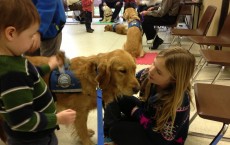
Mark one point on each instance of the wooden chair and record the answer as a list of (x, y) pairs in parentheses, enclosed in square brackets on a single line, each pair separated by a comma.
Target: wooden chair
[(218, 57), (200, 31), (213, 103), (221, 58), (223, 39)]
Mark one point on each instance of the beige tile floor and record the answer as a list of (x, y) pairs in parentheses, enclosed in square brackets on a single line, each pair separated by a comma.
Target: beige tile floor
[(76, 42)]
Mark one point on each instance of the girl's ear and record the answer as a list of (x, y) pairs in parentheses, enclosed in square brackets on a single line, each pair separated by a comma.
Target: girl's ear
[(10, 33)]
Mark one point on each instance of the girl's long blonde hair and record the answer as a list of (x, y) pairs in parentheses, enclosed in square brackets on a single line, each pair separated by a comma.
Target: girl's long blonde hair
[(181, 64)]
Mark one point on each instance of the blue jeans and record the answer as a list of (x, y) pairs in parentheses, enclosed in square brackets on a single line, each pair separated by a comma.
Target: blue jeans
[(48, 140)]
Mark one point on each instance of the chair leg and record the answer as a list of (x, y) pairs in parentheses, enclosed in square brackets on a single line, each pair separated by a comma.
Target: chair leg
[(218, 75), (220, 134), (179, 40), (174, 38), (198, 72), (191, 46), (193, 118)]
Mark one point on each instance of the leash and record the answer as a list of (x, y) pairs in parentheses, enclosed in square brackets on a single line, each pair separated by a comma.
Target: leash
[(100, 128)]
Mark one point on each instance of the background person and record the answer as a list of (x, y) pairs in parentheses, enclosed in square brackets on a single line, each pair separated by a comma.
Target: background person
[(87, 6), (49, 36), (166, 14)]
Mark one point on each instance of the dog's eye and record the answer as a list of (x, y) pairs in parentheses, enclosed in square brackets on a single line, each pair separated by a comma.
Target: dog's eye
[(123, 71)]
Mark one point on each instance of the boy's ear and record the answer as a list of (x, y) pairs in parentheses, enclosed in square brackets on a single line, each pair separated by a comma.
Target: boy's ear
[(10, 33)]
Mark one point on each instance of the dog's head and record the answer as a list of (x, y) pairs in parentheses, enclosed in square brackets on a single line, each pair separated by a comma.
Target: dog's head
[(108, 28), (116, 73), (130, 14), (107, 11)]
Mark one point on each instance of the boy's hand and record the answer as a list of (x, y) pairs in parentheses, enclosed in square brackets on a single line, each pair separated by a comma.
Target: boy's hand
[(57, 60), (66, 117)]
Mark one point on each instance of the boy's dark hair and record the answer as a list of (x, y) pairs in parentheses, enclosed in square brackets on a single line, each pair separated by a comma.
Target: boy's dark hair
[(20, 14)]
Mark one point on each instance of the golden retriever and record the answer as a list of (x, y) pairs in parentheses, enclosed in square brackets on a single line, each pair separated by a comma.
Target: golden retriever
[(114, 72), (107, 14), (133, 42), (117, 27)]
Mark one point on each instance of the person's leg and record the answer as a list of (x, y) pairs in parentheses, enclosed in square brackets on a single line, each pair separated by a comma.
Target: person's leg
[(117, 9), (51, 46), (88, 20), (48, 140), (101, 10), (150, 21), (148, 27), (129, 133), (113, 111), (112, 114)]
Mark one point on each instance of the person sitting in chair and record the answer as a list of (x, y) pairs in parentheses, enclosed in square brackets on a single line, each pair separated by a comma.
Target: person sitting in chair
[(166, 14), (117, 4)]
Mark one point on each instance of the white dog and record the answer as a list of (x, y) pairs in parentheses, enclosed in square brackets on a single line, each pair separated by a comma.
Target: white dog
[(107, 14)]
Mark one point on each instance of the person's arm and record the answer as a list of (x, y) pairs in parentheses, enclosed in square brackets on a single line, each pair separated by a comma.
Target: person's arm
[(54, 62), (19, 104), (147, 120), (46, 10), (163, 10)]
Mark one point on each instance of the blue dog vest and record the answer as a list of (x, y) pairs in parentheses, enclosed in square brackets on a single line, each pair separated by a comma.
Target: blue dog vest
[(136, 23), (114, 27), (64, 82)]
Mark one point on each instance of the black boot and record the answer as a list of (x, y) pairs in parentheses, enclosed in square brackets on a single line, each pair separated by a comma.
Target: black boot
[(156, 43), (88, 28)]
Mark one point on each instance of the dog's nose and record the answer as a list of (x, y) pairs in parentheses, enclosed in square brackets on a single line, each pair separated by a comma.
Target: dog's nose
[(136, 89)]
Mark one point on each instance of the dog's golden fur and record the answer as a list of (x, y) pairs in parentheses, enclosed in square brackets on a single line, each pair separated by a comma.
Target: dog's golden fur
[(119, 29), (133, 42), (107, 14), (113, 71)]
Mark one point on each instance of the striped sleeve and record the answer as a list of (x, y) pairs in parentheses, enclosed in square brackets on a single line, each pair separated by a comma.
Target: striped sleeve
[(17, 104)]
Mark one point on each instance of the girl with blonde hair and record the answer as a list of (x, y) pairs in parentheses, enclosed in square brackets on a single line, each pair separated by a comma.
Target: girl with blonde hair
[(162, 117)]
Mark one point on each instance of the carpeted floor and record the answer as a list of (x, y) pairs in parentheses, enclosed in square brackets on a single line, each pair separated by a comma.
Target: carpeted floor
[(147, 59)]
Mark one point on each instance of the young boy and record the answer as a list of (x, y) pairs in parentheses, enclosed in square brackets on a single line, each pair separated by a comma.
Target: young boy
[(26, 105)]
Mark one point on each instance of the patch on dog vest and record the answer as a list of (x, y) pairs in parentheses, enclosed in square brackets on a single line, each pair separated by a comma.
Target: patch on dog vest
[(136, 23), (64, 82)]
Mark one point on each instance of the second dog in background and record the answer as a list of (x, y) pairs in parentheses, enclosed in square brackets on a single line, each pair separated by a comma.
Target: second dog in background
[(117, 27), (107, 14), (133, 42)]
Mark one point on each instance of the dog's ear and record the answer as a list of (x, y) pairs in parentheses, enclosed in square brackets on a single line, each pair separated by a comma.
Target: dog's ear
[(103, 74)]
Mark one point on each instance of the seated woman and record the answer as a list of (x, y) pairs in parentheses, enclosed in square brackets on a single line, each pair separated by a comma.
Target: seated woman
[(166, 14)]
